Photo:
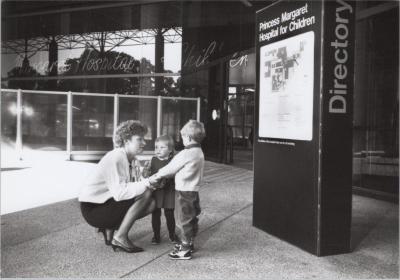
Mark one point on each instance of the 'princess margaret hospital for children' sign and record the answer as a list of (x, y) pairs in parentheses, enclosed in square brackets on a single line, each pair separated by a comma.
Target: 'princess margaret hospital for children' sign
[(286, 71)]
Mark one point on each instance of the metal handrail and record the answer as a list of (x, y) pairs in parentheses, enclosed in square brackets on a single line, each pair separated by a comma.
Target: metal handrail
[(99, 94), (139, 96), (34, 91), (180, 98)]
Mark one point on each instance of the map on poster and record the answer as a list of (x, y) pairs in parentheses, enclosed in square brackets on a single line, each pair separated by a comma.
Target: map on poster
[(286, 88)]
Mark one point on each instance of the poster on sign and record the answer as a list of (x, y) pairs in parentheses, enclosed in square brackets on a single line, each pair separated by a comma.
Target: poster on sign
[(286, 88)]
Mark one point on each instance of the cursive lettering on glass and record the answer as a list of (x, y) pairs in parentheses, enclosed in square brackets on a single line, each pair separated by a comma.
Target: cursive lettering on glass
[(238, 61)]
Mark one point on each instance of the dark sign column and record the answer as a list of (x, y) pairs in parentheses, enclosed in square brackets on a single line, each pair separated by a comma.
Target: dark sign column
[(303, 123)]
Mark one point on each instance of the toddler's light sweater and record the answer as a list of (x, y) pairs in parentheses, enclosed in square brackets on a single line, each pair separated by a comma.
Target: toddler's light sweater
[(188, 168)]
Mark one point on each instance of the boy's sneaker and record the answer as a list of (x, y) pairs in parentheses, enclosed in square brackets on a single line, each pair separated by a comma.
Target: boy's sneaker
[(155, 240), (180, 252), (191, 247)]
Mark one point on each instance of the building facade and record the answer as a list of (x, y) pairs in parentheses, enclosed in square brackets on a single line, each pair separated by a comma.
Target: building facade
[(195, 49)]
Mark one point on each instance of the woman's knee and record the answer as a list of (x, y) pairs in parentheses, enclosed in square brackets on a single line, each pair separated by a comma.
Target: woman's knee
[(152, 206), (147, 195)]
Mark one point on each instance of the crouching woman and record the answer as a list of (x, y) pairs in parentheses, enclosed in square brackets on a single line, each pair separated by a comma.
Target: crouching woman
[(114, 195)]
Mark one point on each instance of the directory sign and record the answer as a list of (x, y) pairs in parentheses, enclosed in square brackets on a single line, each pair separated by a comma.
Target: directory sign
[(303, 123)]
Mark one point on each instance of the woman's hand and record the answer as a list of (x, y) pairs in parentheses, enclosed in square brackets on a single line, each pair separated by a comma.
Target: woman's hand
[(154, 179), (152, 188)]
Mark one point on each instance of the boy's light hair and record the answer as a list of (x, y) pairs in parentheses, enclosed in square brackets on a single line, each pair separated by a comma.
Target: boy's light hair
[(195, 130), (166, 139)]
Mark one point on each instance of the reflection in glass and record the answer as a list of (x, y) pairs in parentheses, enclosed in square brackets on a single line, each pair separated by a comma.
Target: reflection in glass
[(92, 123), (144, 110), (44, 121), (8, 122), (175, 113)]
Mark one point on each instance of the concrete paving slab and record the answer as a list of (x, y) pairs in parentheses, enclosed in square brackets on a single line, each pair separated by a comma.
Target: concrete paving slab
[(27, 225), (54, 241), (60, 253), (233, 249)]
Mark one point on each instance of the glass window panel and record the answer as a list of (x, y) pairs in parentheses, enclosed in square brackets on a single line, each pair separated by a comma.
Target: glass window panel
[(44, 121), (240, 114), (376, 103), (143, 110), (135, 55), (128, 85), (249, 112), (92, 123), (8, 124), (175, 113)]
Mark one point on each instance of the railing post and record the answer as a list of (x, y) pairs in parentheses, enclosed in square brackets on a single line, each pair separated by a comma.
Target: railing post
[(69, 125), (159, 115), (116, 112), (198, 109), (18, 140)]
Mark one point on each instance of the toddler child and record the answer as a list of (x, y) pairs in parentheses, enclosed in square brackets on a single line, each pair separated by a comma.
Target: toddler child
[(188, 167), (164, 193)]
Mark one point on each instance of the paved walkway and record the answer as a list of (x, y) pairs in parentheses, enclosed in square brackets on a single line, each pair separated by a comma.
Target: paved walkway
[(54, 241)]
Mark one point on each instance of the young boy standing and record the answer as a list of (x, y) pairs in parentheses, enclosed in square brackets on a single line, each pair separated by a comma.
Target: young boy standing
[(188, 167)]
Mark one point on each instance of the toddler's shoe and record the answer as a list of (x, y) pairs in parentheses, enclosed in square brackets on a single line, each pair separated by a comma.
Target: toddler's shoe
[(155, 240), (191, 246), (180, 252), (174, 239)]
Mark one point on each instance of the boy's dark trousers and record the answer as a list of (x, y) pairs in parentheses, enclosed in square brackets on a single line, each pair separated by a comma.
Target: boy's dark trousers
[(156, 222), (187, 207)]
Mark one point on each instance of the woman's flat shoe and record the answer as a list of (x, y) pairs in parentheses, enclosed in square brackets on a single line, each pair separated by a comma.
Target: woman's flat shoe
[(107, 239), (116, 245)]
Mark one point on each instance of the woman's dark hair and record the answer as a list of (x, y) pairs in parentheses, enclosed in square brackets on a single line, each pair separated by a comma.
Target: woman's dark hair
[(126, 130)]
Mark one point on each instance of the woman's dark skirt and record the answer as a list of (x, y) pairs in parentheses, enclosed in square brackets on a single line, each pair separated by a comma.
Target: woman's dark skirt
[(106, 215)]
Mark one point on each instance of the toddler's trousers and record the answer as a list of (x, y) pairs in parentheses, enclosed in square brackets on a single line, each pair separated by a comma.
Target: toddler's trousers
[(156, 221), (187, 206)]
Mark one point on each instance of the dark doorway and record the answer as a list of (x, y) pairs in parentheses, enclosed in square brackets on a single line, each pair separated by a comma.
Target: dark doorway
[(240, 109), (215, 118)]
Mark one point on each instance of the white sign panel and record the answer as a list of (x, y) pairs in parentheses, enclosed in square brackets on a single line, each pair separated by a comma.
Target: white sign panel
[(286, 88)]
